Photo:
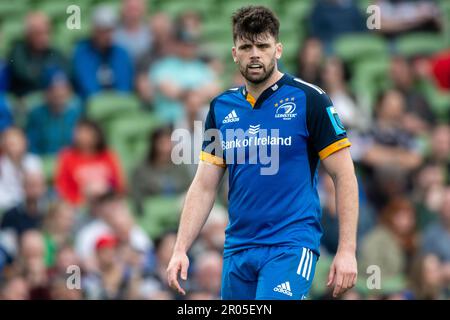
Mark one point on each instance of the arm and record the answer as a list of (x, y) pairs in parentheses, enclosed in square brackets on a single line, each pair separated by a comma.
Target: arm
[(343, 271), (199, 201)]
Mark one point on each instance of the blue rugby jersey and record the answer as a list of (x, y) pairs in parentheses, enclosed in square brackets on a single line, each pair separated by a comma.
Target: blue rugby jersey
[(293, 121)]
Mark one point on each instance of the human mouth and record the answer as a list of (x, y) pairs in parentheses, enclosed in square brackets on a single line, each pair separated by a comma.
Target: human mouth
[(255, 66)]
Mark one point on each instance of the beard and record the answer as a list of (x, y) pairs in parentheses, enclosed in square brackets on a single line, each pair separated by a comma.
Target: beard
[(257, 79)]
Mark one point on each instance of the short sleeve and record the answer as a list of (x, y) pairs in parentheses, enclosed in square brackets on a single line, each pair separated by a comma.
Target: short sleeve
[(326, 131), (211, 147)]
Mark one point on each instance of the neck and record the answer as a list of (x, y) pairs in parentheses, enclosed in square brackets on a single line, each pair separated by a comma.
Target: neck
[(255, 89)]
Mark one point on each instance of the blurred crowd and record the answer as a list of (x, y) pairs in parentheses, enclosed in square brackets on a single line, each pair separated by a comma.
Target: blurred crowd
[(67, 199)]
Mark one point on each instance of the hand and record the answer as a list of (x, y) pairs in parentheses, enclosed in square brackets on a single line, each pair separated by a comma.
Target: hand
[(343, 272), (178, 262)]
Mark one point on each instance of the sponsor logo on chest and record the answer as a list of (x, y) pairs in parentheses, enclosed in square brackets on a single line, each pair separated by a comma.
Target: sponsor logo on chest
[(285, 109)]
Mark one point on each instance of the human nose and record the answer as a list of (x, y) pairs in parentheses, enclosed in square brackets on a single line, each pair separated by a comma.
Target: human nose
[(254, 53)]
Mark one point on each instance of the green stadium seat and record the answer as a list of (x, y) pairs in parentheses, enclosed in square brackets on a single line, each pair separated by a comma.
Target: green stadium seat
[(161, 213), (353, 47), (290, 48), (369, 79), (12, 8), (363, 4), (66, 39), (296, 11), (108, 105), (439, 101), (55, 10), (229, 7), (174, 8), (11, 30), (420, 43), (221, 49), (49, 167), (216, 28), (129, 136)]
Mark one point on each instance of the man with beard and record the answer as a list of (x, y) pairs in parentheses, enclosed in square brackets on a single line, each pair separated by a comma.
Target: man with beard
[(273, 236)]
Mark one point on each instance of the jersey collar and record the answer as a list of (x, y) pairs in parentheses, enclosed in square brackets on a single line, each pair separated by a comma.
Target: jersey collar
[(265, 94)]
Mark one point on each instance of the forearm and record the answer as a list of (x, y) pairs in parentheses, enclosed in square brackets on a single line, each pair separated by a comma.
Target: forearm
[(198, 204), (347, 209)]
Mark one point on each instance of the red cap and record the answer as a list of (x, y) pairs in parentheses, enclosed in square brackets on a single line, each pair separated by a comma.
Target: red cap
[(106, 241)]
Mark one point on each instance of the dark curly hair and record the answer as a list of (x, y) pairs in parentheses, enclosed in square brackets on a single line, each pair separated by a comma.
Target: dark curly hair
[(250, 22)]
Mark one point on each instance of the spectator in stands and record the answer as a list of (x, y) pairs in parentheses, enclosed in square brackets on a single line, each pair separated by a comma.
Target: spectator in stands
[(390, 144), (30, 58), (391, 244), (98, 63), (15, 288), (15, 162), (88, 168), (309, 61), (4, 75), (112, 281), (191, 22), (58, 229), (157, 174), (388, 153), (417, 116), (402, 16), (31, 263), (335, 78), (428, 193), (29, 214), (440, 145), (330, 223), (50, 126), (436, 237), (60, 291), (6, 117), (129, 234), (208, 273), (171, 84), (427, 278), (112, 216), (155, 285), (212, 235), (133, 33), (330, 19), (163, 45), (64, 260), (192, 122)]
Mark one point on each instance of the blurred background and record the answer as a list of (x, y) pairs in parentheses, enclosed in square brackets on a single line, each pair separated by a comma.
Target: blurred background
[(86, 117)]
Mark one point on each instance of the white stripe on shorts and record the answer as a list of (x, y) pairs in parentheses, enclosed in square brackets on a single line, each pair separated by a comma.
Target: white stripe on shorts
[(306, 264), (301, 261)]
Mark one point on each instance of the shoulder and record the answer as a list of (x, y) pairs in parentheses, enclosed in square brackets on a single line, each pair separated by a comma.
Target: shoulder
[(228, 95), (309, 89), (316, 100)]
